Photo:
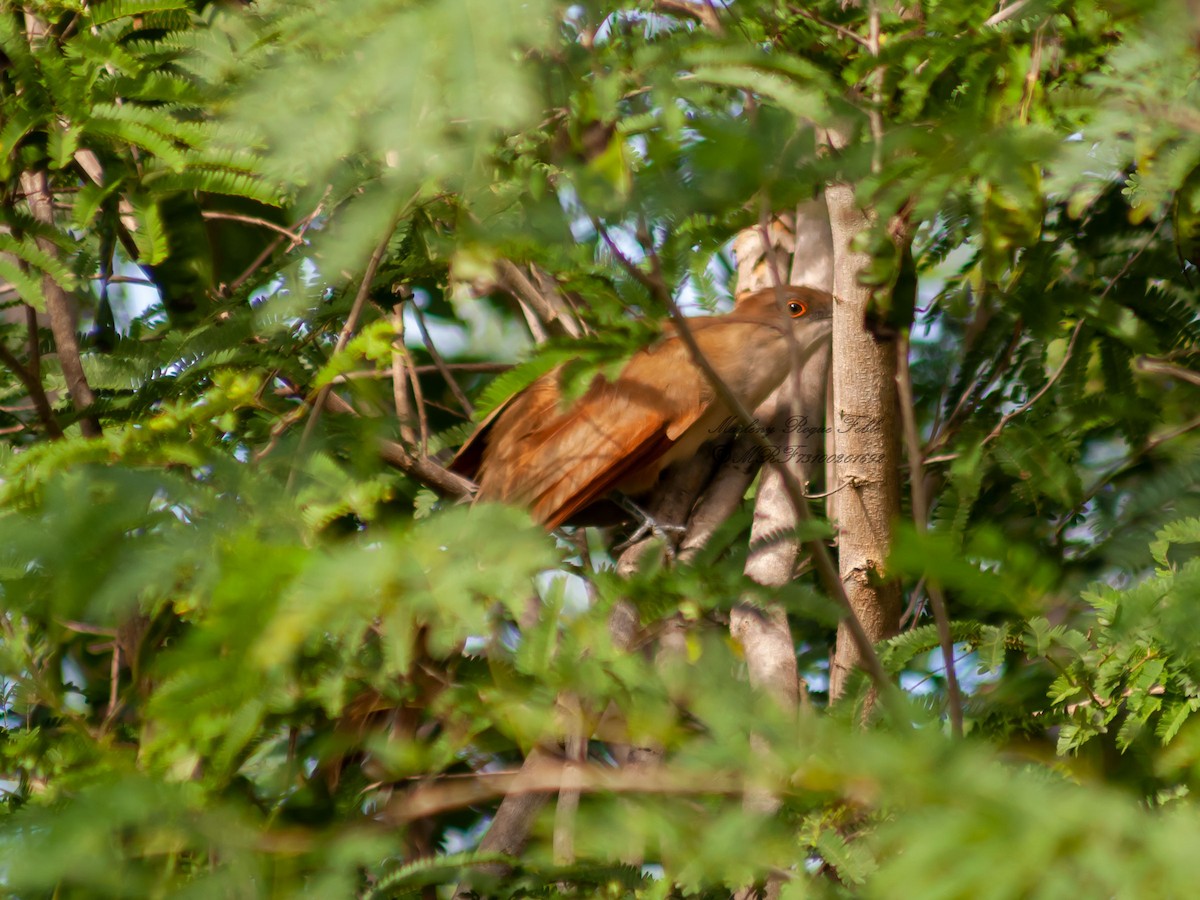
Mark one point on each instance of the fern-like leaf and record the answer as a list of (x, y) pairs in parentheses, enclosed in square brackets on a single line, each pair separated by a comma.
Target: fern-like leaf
[(110, 11), (28, 250), (520, 377), (214, 181), (25, 284), (151, 237)]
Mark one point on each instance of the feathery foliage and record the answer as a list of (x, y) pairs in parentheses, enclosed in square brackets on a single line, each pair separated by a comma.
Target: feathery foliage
[(240, 655)]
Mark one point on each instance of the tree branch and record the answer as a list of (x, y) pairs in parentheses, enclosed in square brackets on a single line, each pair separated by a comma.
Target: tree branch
[(513, 280), (360, 299), (404, 414), (253, 220), (705, 14), (440, 364), (37, 393), (920, 512), (546, 778), (422, 468), (36, 187), (1071, 343)]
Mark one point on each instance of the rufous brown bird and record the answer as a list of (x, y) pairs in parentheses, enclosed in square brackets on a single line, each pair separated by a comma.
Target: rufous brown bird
[(557, 461)]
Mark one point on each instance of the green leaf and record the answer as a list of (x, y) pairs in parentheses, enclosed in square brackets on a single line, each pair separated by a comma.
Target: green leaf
[(128, 124), (151, 235), (1184, 531), (88, 201), (27, 249), (62, 144), (802, 103), (111, 10), (12, 133), (28, 287), (520, 377)]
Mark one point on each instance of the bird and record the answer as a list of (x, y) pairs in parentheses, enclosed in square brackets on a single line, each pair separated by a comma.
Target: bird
[(558, 460)]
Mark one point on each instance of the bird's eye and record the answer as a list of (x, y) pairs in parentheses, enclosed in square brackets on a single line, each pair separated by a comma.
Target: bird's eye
[(796, 308)]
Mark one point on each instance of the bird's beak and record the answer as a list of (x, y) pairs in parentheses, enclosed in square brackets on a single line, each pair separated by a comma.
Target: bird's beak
[(814, 334)]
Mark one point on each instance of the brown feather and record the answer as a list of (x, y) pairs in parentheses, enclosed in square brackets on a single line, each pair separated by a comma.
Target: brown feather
[(621, 434)]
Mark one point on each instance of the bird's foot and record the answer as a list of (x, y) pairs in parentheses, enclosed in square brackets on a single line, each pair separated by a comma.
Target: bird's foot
[(648, 525)]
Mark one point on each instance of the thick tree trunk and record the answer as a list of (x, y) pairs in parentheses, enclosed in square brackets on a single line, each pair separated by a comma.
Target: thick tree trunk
[(800, 252), (763, 256), (797, 411), (795, 414), (866, 432)]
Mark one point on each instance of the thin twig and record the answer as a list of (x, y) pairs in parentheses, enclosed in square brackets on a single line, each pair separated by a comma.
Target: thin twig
[(656, 288), (841, 487), (254, 266), (37, 393), (915, 605), (87, 628), (513, 280), (1116, 471), (833, 26), (1074, 337), (874, 112), (920, 512), (1006, 13), (947, 430), (548, 777), (536, 329), (400, 378), (1161, 367), (419, 397), (449, 410), (933, 674), (114, 678), (550, 287), (300, 228), (360, 299), (423, 469), (124, 279), (567, 808), (440, 363), (253, 220), (1032, 76), (470, 368)]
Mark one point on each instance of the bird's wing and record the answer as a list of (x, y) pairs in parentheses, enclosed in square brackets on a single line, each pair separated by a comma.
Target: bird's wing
[(611, 436), (614, 437), (621, 434), (508, 422)]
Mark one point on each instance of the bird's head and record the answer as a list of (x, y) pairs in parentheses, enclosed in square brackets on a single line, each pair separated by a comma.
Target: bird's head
[(808, 312)]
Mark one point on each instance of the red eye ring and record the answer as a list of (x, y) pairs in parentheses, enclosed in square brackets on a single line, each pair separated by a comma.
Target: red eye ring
[(797, 308)]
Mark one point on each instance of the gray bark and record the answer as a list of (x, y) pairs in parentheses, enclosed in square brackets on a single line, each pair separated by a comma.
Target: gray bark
[(764, 634), (866, 432)]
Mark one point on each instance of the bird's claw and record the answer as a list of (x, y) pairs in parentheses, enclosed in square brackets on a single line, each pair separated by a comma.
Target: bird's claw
[(649, 526)]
